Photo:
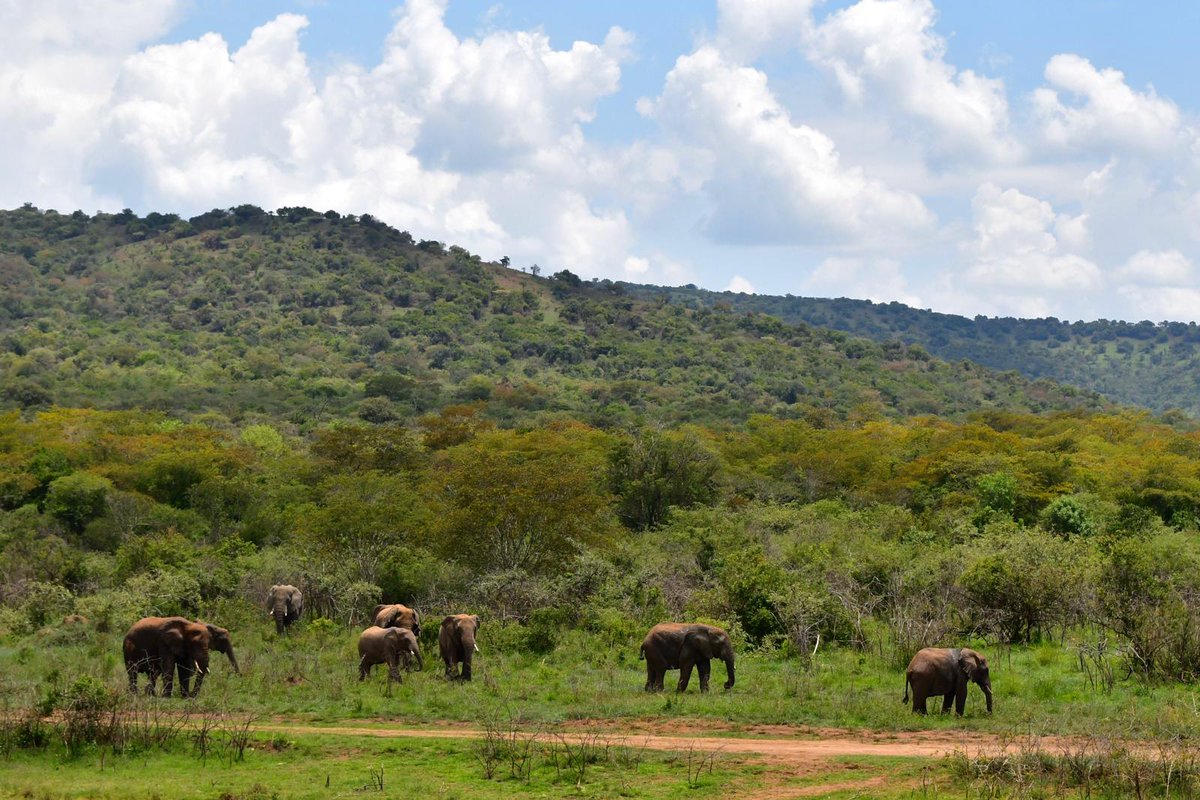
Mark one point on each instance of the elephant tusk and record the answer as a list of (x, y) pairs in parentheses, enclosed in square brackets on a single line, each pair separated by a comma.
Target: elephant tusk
[(476, 648)]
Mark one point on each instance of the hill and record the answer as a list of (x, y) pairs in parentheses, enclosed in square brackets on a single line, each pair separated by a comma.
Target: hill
[(309, 316), (1153, 365)]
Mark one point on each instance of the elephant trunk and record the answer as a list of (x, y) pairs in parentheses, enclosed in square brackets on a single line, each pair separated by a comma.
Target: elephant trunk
[(987, 693), (279, 612), (233, 661), (729, 669)]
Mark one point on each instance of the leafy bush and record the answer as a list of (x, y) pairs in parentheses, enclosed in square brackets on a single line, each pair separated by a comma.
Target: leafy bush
[(78, 498)]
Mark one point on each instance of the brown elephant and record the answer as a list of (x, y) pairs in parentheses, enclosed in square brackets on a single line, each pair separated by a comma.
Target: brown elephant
[(946, 673), (397, 615), (285, 603), (160, 645), (456, 642), (682, 645), (391, 646)]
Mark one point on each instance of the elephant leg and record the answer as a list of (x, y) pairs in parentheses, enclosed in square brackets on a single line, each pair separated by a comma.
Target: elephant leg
[(131, 670), (919, 702), (167, 668), (151, 678), (947, 701), (466, 668), (704, 668), (393, 665), (650, 687), (185, 679), (685, 674), (960, 699)]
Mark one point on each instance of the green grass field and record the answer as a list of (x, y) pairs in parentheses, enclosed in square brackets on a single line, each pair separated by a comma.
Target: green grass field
[(310, 679), (313, 677)]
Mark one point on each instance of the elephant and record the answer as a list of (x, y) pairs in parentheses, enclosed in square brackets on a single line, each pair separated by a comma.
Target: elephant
[(939, 671), (160, 645), (456, 642), (391, 646), (682, 645), (285, 603), (396, 615)]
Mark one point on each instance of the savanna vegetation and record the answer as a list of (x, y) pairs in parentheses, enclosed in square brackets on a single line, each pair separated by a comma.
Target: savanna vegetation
[(201, 409), (1153, 364)]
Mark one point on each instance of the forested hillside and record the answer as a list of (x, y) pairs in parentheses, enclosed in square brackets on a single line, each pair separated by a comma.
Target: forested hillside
[(1153, 365), (307, 317)]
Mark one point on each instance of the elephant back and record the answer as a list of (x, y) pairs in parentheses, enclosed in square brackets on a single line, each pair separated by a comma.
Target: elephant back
[(397, 615)]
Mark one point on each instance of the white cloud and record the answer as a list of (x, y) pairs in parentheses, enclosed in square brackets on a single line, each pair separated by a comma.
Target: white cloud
[(1158, 268), (770, 180), (1106, 112), (1017, 259), (747, 28), (58, 62), (740, 285), (1157, 303), (886, 52), (878, 280)]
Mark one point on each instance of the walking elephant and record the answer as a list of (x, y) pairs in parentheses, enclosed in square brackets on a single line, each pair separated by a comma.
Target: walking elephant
[(682, 645), (161, 645), (946, 673), (456, 642), (284, 603), (391, 646), (397, 615)]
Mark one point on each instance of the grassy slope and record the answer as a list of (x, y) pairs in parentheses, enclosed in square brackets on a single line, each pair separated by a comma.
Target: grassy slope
[(1156, 366), (253, 315)]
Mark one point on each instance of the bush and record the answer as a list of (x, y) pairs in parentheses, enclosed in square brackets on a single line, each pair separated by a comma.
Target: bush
[(77, 499), (1067, 516), (45, 604)]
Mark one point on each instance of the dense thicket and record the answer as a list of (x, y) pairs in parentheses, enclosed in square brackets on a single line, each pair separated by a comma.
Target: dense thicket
[(1155, 365), (305, 317), (881, 535)]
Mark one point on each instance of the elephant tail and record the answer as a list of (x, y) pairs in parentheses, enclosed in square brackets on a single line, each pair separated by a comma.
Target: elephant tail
[(905, 700), (642, 653)]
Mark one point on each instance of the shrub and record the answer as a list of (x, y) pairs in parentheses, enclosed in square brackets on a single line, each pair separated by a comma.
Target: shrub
[(78, 498), (45, 603), (1067, 516)]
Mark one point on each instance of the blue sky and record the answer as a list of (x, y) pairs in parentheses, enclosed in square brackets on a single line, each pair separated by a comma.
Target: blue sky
[(983, 157)]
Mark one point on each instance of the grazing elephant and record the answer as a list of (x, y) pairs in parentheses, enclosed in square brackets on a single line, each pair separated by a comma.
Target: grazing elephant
[(682, 645), (284, 603), (396, 615), (456, 642), (938, 671), (391, 646), (160, 645)]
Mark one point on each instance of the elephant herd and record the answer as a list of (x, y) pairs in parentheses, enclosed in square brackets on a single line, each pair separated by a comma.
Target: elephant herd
[(162, 646), (166, 646)]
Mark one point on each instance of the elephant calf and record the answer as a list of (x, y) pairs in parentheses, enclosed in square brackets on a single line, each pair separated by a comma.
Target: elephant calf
[(682, 645), (946, 673), (391, 646)]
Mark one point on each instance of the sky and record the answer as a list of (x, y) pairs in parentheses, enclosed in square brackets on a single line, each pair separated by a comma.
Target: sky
[(994, 157)]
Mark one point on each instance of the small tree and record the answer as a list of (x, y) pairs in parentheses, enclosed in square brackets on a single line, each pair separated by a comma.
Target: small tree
[(78, 498)]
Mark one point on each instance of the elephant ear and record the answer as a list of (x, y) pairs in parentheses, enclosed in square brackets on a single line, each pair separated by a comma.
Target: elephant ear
[(969, 665), (476, 618)]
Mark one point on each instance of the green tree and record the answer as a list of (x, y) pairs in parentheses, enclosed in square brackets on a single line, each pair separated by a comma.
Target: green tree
[(78, 498), (525, 501), (652, 471)]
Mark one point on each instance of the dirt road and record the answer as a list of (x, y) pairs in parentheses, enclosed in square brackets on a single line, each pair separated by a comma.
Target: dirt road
[(776, 743)]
